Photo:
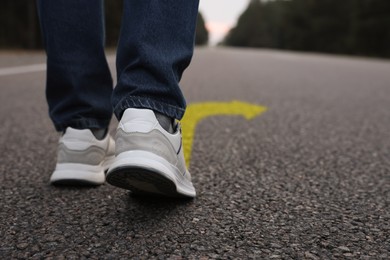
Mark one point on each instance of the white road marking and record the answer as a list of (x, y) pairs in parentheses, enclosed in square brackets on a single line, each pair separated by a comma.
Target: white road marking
[(35, 68), (22, 69)]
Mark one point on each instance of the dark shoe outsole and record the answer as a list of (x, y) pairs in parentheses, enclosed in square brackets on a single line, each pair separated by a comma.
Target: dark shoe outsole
[(74, 182), (134, 178)]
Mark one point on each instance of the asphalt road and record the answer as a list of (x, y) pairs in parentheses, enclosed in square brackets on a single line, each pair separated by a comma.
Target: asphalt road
[(308, 179)]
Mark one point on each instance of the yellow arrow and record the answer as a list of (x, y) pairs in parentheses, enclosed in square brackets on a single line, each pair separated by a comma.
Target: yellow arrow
[(198, 111)]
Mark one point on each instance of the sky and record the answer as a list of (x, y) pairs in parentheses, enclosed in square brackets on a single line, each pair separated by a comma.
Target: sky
[(220, 16)]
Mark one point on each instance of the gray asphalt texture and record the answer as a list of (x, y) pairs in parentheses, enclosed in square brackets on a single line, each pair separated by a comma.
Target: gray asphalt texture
[(308, 179)]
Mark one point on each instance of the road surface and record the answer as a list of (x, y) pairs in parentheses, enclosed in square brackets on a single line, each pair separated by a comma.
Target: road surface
[(307, 179)]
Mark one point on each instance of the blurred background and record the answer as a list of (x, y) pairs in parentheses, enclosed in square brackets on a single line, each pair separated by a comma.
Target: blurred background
[(353, 27)]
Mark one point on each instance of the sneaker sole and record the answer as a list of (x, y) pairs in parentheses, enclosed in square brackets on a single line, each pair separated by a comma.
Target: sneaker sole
[(69, 177), (145, 173), (75, 174)]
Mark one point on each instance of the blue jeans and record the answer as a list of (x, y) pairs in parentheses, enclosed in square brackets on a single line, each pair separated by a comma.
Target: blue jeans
[(155, 47)]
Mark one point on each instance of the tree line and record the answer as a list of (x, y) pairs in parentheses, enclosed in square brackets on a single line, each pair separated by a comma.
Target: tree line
[(20, 25), (356, 27)]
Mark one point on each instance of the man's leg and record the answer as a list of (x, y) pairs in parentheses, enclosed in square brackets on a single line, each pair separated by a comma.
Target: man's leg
[(156, 46), (78, 88), (79, 83)]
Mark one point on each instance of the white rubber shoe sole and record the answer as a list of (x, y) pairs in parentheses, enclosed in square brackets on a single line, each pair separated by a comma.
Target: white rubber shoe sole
[(145, 173), (80, 174)]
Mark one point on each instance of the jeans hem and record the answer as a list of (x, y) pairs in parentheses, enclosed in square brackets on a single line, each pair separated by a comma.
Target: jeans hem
[(83, 123), (149, 103)]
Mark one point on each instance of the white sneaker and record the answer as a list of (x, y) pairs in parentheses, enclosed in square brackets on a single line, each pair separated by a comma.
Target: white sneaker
[(82, 159), (149, 160)]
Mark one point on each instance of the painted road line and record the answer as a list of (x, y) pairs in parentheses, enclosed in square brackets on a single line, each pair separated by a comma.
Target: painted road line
[(22, 69), (197, 111), (34, 68)]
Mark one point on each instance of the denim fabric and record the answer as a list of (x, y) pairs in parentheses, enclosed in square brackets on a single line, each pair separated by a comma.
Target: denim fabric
[(155, 47)]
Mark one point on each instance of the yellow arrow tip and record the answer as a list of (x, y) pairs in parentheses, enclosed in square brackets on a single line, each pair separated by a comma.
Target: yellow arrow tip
[(249, 111)]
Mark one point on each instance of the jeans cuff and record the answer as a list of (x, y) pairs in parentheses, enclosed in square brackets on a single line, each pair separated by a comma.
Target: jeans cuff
[(83, 123), (149, 103)]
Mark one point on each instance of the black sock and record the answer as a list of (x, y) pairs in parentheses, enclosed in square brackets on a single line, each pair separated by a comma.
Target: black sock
[(99, 133), (165, 121)]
